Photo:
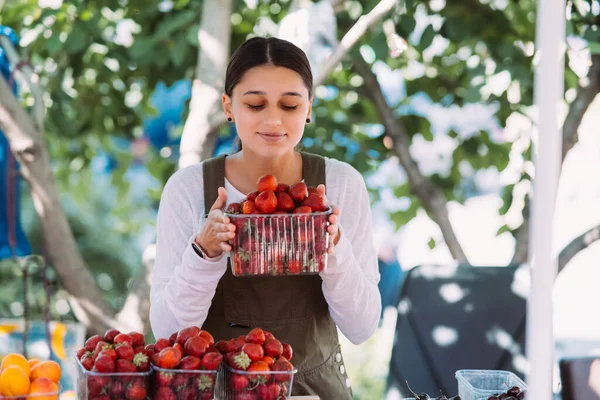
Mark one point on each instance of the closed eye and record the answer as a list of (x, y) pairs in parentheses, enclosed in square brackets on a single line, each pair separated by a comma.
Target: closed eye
[(260, 106)]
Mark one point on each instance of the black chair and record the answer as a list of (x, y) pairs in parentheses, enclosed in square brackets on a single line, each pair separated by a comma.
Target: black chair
[(452, 318)]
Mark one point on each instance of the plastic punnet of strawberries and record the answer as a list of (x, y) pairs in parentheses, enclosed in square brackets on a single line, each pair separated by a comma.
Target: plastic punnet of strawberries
[(257, 367), (280, 230), (185, 366), (115, 365)]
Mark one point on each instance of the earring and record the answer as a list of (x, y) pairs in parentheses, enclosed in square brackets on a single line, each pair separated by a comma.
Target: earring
[(308, 120), (229, 119)]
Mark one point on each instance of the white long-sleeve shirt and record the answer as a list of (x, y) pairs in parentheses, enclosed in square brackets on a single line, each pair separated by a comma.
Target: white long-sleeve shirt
[(183, 284)]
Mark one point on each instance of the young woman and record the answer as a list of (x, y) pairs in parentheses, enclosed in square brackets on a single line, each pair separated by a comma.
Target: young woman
[(268, 95)]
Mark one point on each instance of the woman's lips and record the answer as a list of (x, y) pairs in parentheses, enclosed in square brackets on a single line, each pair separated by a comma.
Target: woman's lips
[(271, 136)]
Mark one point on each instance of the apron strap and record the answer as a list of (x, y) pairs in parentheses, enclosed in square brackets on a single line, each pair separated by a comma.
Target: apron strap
[(213, 172)]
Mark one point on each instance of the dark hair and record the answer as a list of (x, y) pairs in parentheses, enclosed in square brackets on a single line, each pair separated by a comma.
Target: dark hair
[(260, 51)]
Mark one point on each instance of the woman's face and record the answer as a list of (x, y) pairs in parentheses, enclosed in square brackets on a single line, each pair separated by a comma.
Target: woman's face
[(270, 106)]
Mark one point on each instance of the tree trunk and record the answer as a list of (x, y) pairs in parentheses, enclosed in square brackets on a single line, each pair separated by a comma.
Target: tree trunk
[(431, 196), (27, 144), (214, 36), (585, 96)]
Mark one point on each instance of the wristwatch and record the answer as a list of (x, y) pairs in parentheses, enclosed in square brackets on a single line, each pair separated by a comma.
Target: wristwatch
[(199, 250)]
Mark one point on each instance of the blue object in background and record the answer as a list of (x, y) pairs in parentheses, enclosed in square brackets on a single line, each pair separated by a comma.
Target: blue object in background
[(390, 282), (10, 185), (169, 103)]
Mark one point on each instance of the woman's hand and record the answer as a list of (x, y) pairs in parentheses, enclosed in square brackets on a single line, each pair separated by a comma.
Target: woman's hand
[(334, 232), (218, 230)]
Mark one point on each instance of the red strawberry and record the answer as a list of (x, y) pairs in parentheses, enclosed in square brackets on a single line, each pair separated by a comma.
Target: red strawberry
[(303, 210), (234, 208), (196, 346), (298, 192), (96, 385), (125, 366), (138, 338), (101, 397), (92, 342), (211, 361), (255, 351), (139, 349), (239, 382), (187, 333), (316, 202), (236, 344), (179, 350), (239, 360), (269, 360), (208, 337), (312, 189), (207, 395), (212, 349), (273, 348), (149, 350), (268, 392), (287, 351), (125, 352), (141, 361), (204, 382), (267, 182), (164, 378), (109, 335), (87, 361), (161, 344), (252, 196), (282, 187), (256, 335), (109, 352), (266, 202), (165, 393), (260, 371), (248, 207), (180, 381), (104, 363), (123, 338), (173, 337), (246, 396), (268, 335), (294, 266), (282, 365), (187, 393), (190, 363), (221, 345), (136, 392), (285, 202), (168, 358), (116, 389), (81, 352)]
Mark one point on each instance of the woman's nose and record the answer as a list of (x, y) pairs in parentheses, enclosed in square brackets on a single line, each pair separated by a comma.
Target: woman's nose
[(273, 117)]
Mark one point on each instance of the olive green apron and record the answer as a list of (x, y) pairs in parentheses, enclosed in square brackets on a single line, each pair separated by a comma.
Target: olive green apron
[(293, 308)]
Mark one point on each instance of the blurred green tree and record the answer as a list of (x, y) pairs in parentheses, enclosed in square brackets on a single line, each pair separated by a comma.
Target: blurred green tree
[(96, 63)]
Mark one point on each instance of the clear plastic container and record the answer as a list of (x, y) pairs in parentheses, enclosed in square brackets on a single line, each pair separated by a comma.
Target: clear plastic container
[(255, 385), (279, 244), (43, 396), (477, 384), (132, 386), (183, 384)]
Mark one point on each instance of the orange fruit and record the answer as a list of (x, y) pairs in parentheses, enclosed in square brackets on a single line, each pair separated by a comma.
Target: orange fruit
[(33, 361), (44, 386), (46, 369), (15, 359), (14, 381)]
